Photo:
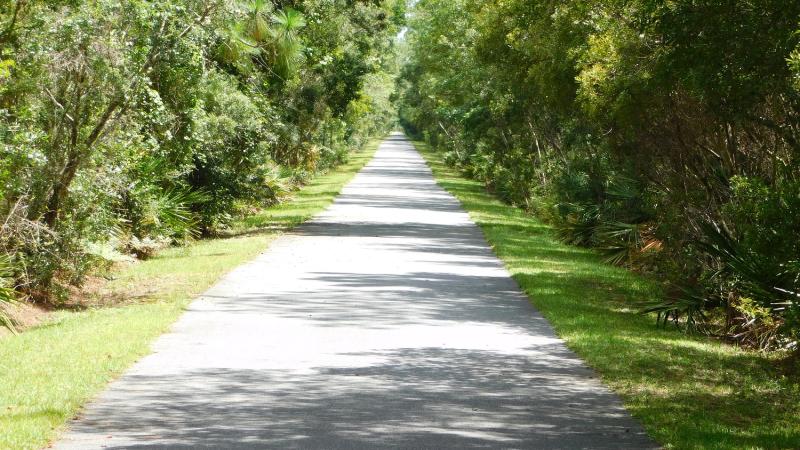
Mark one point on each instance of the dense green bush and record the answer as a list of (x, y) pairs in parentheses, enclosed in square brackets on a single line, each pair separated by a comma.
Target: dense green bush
[(662, 133)]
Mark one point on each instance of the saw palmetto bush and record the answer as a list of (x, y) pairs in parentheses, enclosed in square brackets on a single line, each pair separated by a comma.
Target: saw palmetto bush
[(763, 290), (167, 214)]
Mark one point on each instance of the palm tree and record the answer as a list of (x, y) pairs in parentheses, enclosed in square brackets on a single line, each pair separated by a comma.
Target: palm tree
[(273, 42), (284, 46)]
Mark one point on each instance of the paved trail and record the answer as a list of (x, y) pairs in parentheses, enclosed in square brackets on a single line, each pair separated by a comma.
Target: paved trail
[(384, 322)]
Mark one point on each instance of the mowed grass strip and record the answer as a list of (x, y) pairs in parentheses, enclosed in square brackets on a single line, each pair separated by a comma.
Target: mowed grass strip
[(48, 372), (690, 392)]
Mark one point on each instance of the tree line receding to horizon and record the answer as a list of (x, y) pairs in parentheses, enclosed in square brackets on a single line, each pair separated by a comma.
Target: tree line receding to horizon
[(666, 134), (129, 126)]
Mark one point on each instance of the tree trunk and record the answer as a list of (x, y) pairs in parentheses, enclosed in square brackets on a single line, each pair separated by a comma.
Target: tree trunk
[(60, 190)]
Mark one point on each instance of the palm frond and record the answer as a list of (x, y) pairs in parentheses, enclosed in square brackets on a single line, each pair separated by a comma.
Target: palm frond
[(289, 20), (685, 307)]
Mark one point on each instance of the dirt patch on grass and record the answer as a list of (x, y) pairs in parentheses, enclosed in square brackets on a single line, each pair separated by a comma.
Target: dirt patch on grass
[(93, 293), (96, 291), (101, 292), (26, 315)]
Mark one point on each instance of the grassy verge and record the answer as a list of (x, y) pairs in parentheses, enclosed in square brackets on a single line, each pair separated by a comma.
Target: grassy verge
[(48, 372), (688, 391)]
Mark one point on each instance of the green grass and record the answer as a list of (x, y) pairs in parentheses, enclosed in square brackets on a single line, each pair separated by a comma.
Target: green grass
[(48, 372), (688, 391)]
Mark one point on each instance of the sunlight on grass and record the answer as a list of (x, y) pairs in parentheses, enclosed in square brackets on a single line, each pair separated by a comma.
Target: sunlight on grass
[(48, 372), (688, 391)]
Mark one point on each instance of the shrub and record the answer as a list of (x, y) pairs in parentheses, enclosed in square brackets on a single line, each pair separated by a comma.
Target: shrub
[(7, 294)]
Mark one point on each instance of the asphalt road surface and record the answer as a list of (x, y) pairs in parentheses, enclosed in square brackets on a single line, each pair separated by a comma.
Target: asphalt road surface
[(385, 322)]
